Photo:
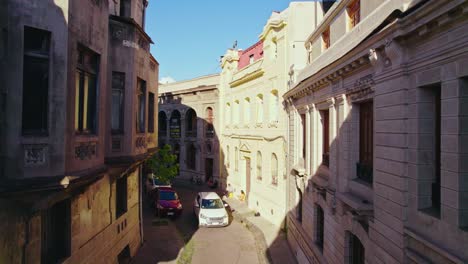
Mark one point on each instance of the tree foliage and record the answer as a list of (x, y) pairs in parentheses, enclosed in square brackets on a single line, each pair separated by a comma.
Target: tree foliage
[(164, 164)]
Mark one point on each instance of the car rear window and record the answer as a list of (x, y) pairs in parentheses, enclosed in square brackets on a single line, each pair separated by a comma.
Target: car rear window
[(168, 195), (212, 204)]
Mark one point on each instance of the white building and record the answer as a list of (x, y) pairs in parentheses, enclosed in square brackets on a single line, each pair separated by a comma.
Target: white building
[(254, 123)]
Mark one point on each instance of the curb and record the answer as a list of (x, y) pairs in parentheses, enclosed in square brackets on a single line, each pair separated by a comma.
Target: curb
[(260, 241)]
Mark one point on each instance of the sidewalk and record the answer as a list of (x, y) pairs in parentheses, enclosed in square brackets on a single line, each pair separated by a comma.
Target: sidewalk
[(271, 240)]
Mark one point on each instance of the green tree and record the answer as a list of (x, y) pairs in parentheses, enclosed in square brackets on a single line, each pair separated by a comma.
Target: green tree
[(164, 164)]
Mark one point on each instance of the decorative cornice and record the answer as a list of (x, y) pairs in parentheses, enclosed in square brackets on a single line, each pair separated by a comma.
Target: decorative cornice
[(248, 77), (311, 85), (272, 25)]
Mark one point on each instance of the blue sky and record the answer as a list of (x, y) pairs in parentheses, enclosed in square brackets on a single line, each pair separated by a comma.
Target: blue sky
[(191, 35)]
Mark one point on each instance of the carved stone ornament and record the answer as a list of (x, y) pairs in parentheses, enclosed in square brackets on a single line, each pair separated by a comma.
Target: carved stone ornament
[(85, 150), (362, 88), (35, 155), (140, 142)]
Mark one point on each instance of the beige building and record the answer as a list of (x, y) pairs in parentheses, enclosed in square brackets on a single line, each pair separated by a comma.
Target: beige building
[(77, 120), (188, 121), (378, 135), (254, 120)]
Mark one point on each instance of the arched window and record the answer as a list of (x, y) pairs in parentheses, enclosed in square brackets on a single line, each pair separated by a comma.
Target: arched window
[(227, 156), (162, 124), (259, 166), (259, 108), (209, 122), (228, 114), (236, 159), (247, 110), (236, 112), (274, 169), (191, 156), (191, 123), (274, 105), (174, 125)]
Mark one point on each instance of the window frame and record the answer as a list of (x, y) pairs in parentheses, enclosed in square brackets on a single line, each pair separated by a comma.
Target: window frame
[(121, 91), (86, 102), (364, 168), (31, 58)]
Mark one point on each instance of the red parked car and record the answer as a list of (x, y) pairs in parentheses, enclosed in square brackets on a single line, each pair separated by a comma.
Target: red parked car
[(166, 202)]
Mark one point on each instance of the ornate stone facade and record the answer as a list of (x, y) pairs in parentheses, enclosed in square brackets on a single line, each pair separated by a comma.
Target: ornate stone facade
[(376, 130)]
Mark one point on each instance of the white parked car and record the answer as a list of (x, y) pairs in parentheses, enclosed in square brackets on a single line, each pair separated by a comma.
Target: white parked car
[(210, 210)]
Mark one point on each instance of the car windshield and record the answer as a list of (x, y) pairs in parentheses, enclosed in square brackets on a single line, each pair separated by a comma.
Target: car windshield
[(212, 204), (168, 196)]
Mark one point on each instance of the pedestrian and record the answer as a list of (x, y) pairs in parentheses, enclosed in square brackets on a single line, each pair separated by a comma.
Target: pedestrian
[(242, 196)]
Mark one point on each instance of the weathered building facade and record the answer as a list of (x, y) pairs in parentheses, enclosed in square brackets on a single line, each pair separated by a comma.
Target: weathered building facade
[(188, 120), (377, 131), (254, 121), (77, 77)]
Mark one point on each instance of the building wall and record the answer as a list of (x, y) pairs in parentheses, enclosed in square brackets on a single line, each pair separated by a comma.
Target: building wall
[(282, 41), (96, 233), (197, 94), (51, 147), (392, 217), (45, 170)]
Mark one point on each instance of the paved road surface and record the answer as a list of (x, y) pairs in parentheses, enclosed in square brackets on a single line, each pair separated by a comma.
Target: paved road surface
[(163, 243), (231, 244)]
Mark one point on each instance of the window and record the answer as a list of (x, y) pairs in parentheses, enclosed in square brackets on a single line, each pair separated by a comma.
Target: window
[(228, 113), (274, 169), (259, 166), (326, 39), (247, 110), (304, 135), (35, 81), (236, 112), (162, 124), (191, 123), (366, 142), (437, 146), (141, 99), (274, 105), (174, 125), (121, 196), (356, 250), (150, 112), (251, 58), (326, 5), (209, 120), (354, 13), (325, 137), (125, 6), (56, 233), (319, 226), (86, 91), (236, 159), (259, 109), (227, 156), (191, 156), (117, 108)]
